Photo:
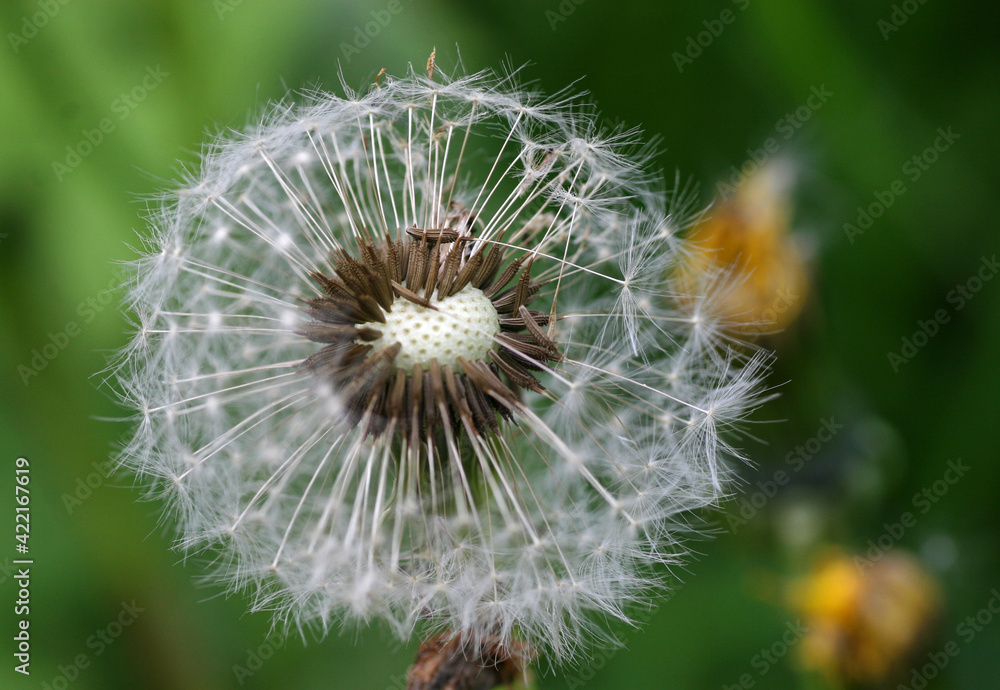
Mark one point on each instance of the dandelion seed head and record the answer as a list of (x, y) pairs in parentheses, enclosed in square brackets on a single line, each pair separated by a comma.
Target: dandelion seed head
[(415, 356)]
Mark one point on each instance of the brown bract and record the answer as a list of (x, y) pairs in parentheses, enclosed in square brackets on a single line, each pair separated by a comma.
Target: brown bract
[(444, 663), (409, 403)]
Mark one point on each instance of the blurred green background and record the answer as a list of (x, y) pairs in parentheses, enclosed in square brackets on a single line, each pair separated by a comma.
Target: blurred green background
[(160, 75)]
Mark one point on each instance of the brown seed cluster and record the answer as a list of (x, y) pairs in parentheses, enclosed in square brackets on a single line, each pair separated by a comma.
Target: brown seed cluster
[(410, 403)]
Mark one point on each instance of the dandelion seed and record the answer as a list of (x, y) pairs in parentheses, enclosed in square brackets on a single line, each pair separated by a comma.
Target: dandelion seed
[(413, 356)]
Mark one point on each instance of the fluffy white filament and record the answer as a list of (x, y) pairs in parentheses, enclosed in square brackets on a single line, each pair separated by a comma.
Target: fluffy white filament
[(541, 533)]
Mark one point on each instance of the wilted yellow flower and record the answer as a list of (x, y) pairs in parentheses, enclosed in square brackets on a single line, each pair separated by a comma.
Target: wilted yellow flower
[(866, 622), (745, 238)]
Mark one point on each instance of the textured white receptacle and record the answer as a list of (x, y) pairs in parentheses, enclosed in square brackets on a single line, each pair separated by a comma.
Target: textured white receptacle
[(462, 325)]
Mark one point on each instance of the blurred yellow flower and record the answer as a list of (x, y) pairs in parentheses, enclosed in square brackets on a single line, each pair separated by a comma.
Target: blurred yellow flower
[(745, 238), (865, 622)]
